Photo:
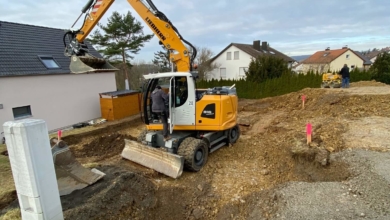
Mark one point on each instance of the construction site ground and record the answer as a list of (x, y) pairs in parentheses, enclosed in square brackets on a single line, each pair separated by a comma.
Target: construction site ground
[(270, 173)]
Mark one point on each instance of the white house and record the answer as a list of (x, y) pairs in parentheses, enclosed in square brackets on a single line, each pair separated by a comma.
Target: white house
[(235, 58), (35, 80)]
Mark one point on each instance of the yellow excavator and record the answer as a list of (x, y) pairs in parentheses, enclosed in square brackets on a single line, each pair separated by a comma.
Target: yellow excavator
[(200, 120)]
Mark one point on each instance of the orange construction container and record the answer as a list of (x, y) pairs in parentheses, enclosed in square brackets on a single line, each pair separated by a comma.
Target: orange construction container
[(120, 104)]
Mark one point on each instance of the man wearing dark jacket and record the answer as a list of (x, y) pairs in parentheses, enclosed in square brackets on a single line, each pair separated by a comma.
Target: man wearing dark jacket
[(344, 72), (159, 97)]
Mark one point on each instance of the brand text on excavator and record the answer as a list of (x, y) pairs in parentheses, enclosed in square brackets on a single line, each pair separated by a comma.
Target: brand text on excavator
[(155, 28)]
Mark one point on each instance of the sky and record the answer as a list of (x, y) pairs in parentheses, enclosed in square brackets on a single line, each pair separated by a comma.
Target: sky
[(299, 27)]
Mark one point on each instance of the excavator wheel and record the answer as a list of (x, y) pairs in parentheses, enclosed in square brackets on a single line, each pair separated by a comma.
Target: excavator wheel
[(234, 134), (195, 153)]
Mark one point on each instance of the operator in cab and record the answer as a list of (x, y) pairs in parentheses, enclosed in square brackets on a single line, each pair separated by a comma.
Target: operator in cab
[(159, 98)]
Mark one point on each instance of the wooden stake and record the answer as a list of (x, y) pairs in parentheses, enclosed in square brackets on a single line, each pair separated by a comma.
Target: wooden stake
[(308, 133), (303, 101)]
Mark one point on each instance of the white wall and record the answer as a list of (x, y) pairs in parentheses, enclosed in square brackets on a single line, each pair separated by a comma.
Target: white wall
[(232, 66), (60, 100), (352, 60)]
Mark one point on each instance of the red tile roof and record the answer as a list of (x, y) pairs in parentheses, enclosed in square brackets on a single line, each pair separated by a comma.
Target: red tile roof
[(325, 56)]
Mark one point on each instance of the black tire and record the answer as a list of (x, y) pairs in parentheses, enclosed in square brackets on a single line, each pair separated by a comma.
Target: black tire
[(142, 136), (234, 134), (195, 153)]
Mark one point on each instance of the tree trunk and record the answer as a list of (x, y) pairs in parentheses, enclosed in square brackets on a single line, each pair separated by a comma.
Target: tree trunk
[(125, 69)]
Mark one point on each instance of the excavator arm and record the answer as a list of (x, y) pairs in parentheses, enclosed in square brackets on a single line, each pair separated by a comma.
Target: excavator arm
[(82, 61)]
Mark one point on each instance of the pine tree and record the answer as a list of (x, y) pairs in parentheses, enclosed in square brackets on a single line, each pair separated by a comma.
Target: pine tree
[(123, 36)]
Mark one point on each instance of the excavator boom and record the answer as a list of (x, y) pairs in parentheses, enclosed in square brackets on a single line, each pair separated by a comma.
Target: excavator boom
[(82, 61)]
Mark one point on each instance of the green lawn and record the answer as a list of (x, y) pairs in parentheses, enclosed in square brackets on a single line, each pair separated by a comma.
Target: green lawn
[(6, 182)]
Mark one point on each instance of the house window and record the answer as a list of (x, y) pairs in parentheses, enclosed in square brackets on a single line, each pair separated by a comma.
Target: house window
[(222, 72), (49, 62), (229, 55), (353, 66), (236, 55), (242, 70), (22, 112), (347, 56), (322, 68)]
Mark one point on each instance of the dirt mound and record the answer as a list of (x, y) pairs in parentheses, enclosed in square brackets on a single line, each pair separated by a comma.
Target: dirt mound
[(104, 146), (119, 195), (5, 153), (367, 83), (8, 198)]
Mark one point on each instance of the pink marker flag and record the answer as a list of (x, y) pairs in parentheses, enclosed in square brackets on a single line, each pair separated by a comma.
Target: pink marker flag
[(308, 128), (308, 133), (303, 97), (59, 134)]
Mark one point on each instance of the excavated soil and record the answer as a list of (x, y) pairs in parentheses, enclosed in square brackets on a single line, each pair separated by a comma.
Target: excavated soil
[(246, 180)]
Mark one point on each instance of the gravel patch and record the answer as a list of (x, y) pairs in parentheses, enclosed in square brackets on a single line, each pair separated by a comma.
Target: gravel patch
[(366, 195)]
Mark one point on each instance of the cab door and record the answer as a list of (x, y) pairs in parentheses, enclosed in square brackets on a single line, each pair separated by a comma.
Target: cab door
[(171, 119), (184, 102)]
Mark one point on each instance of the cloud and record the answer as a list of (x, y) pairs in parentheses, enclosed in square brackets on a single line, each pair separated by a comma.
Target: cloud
[(293, 27)]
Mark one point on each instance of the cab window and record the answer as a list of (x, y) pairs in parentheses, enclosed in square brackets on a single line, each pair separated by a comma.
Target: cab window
[(181, 91)]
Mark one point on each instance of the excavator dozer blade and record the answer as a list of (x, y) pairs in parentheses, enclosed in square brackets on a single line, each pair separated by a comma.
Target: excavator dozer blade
[(71, 175), (89, 64), (156, 159)]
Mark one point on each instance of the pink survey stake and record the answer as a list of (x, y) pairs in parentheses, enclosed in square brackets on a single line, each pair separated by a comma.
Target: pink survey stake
[(303, 97), (59, 133), (308, 129)]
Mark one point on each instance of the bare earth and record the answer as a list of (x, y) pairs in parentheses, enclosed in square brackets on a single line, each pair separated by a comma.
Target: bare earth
[(271, 173)]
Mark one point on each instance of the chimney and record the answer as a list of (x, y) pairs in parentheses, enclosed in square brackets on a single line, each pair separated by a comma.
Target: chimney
[(264, 46), (256, 45), (328, 48), (345, 47)]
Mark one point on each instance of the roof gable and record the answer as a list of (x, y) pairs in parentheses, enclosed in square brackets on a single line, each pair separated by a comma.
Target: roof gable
[(248, 48), (325, 56), (22, 44)]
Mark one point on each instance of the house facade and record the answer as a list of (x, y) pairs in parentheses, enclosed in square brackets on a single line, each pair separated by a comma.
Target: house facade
[(234, 60), (35, 80), (333, 60)]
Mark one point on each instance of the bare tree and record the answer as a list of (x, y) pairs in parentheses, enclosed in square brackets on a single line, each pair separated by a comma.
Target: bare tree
[(139, 69), (136, 72), (202, 59)]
